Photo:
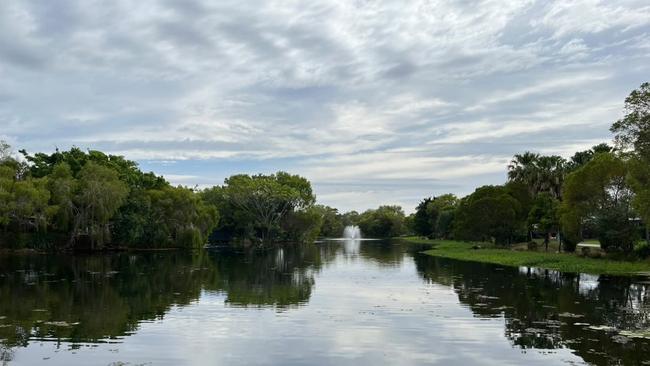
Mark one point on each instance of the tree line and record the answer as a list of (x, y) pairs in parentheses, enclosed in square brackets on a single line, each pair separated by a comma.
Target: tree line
[(71, 200), (602, 192)]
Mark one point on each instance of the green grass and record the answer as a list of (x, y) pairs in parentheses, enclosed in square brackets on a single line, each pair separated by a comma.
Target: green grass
[(565, 262)]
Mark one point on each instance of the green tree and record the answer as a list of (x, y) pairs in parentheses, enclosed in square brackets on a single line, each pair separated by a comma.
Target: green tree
[(597, 191), (384, 222), (62, 187), (100, 194), (581, 158), (331, 221), (255, 206), (425, 218), (633, 130), (639, 180), (488, 214), (539, 173), (178, 217), (303, 226), (7, 180), (544, 216)]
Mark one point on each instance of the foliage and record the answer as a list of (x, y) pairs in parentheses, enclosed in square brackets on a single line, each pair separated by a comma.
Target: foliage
[(383, 222), (96, 200), (581, 158), (599, 190), (543, 215), (259, 207), (539, 173), (490, 213), (99, 195), (331, 221), (303, 226), (633, 130), (434, 216), (425, 218)]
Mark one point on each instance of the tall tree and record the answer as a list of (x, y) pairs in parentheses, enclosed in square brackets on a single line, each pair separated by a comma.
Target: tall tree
[(523, 168), (543, 216), (633, 130), (100, 194), (599, 190)]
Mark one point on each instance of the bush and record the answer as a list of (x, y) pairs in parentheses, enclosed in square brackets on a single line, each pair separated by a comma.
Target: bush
[(642, 252), (616, 232)]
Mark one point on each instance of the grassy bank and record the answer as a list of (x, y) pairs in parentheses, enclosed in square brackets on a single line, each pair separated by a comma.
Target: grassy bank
[(566, 262)]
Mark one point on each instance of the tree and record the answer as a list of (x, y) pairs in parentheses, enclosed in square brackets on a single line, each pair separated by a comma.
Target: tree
[(425, 218), (100, 194), (599, 191), (543, 216), (581, 158), (331, 221), (488, 214), (31, 209), (430, 212), (62, 187), (639, 180), (523, 168), (7, 179), (178, 217), (384, 222), (633, 130), (304, 225), (5, 151), (254, 207), (539, 173)]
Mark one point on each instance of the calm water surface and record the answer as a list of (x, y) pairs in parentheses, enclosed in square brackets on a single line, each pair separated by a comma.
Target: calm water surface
[(332, 303)]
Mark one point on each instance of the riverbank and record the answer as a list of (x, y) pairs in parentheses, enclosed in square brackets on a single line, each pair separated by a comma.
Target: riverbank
[(566, 262)]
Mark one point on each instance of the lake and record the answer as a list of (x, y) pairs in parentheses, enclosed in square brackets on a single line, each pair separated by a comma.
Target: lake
[(329, 303)]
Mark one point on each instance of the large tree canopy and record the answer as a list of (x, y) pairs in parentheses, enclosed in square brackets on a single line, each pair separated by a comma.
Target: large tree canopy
[(490, 213), (599, 192), (255, 207)]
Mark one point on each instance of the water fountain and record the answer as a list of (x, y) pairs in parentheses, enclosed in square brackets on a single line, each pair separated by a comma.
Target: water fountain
[(352, 232)]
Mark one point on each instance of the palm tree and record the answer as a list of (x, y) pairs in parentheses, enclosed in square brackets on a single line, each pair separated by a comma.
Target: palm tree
[(550, 174), (523, 168)]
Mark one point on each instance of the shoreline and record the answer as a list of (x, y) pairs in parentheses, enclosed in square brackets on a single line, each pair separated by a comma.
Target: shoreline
[(564, 262)]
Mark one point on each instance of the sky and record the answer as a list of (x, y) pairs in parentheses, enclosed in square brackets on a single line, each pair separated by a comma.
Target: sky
[(376, 102)]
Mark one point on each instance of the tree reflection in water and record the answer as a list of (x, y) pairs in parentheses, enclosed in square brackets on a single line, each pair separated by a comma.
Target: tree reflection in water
[(80, 299), (546, 309)]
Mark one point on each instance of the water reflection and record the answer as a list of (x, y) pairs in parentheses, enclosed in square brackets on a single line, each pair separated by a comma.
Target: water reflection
[(546, 309), (77, 300)]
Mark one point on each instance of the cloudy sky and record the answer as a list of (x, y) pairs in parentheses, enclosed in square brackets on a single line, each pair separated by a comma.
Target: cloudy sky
[(373, 101)]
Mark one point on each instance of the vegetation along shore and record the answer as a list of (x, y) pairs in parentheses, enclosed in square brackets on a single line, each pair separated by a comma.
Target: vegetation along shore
[(89, 200)]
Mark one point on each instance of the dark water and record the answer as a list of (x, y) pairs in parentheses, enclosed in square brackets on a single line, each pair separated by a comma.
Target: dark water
[(335, 303)]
